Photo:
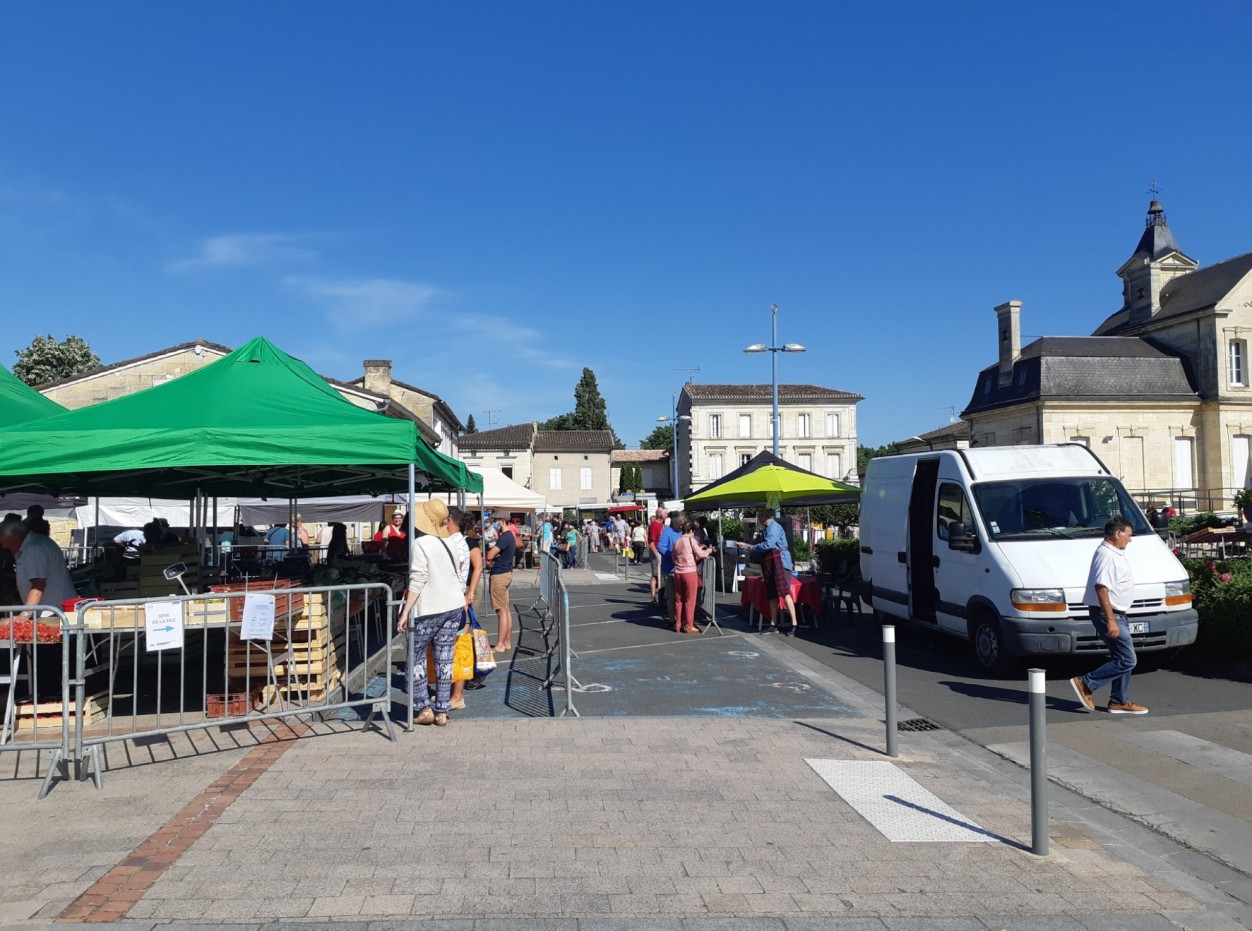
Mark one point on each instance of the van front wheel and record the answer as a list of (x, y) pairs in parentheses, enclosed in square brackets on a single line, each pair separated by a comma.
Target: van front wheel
[(989, 647)]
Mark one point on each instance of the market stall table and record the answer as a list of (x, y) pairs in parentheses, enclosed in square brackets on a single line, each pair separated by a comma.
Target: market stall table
[(806, 592)]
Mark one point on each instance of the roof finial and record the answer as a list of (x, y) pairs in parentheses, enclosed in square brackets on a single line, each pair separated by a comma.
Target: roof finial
[(1153, 189)]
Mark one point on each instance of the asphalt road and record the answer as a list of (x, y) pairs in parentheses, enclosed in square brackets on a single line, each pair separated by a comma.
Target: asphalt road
[(938, 678)]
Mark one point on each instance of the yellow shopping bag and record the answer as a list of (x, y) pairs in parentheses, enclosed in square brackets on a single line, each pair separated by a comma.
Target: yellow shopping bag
[(462, 660)]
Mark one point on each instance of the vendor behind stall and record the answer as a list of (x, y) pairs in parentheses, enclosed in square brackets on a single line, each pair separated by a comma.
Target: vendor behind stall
[(42, 579)]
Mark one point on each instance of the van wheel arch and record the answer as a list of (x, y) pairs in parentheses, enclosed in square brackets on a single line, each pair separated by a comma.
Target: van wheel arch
[(987, 640)]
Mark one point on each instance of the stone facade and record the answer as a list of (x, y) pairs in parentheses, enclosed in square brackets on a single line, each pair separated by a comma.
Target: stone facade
[(654, 468), (720, 427), (509, 449), (431, 408), (567, 467), (1161, 391), (123, 378)]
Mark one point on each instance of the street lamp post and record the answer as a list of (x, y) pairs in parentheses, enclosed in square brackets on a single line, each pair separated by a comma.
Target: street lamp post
[(674, 419), (773, 349)]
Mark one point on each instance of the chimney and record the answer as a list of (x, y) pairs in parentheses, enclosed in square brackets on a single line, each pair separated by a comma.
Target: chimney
[(1009, 328), (378, 376)]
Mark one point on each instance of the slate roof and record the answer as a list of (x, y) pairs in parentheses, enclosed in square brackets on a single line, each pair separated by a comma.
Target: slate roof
[(586, 441), (953, 430), (1197, 290), (515, 436), (1157, 241), (1087, 368), (765, 393)]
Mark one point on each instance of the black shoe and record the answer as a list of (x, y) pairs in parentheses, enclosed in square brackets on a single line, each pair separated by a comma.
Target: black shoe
[(787, 631), (475, 684)]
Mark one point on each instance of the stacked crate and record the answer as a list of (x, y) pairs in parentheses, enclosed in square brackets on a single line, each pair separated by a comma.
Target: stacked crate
[(146, 577)]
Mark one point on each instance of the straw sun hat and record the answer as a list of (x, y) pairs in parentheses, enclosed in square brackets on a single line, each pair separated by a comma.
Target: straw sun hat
[(431, 517)]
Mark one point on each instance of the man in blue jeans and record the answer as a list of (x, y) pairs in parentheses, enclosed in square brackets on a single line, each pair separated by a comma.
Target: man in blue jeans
[(1110, 593)]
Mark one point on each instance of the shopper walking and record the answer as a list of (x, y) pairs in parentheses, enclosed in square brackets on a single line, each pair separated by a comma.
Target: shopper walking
[(1110, 593)]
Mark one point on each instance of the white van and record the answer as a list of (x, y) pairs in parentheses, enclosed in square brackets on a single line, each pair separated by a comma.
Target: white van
[(994, 544)]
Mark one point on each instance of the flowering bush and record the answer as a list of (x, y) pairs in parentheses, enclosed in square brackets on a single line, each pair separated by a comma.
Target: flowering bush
[(1222, 593)]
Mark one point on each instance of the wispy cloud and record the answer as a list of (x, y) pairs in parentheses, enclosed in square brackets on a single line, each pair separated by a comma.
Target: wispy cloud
[(368, 302), (248, 250), (519, 342)]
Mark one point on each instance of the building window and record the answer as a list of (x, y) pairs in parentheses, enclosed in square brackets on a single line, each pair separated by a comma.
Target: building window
[(1238, 362), (554, 478), (715, 426), (745, 458), (716, 467), (806, 461), (834, 465), (584, 478), (506, 471), (745, 426), (1081, 440), (832, 424), (802, 425)]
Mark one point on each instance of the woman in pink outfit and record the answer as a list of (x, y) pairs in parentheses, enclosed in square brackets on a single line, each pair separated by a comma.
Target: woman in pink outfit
[(688, 553)]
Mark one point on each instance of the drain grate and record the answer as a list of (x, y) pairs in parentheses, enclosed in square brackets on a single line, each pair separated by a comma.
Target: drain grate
[(918, 724)]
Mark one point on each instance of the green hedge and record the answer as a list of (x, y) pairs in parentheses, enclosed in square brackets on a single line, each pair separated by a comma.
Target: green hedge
[(1222, 593), (832, 552)]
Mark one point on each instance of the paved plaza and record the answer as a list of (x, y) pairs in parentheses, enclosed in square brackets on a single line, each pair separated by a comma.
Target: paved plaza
[(713, 781)]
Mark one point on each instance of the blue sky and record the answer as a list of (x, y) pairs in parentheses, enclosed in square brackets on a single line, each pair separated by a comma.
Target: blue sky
[(496, 194)]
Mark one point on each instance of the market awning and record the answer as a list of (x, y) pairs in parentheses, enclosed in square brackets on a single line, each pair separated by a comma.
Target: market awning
[(257, 422), (768, 481), (625, 508)]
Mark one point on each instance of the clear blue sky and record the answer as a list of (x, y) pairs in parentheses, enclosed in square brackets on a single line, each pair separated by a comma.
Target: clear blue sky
[(496, 194)]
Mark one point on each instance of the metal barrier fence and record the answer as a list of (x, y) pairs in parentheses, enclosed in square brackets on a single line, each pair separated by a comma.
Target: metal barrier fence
[(143, 668), (555, 618), (31, 643)]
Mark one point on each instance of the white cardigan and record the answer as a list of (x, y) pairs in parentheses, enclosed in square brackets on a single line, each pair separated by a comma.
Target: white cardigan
[(434, 578)]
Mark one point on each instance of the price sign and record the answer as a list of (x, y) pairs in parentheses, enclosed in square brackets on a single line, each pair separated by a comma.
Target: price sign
[(258, 617)]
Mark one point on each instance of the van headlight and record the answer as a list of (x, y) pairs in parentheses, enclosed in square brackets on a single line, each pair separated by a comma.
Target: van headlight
[(1178, 593), (1038, 599)]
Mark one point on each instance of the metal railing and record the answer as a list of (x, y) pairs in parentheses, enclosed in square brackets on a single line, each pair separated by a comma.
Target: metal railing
[(144, 668), (50, 719)]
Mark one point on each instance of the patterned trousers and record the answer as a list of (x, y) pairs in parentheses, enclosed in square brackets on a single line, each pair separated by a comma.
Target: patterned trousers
[(441, 630)]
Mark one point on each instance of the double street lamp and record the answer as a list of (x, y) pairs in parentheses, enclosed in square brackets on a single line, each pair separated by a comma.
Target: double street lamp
[(773, 349), (674, 420)]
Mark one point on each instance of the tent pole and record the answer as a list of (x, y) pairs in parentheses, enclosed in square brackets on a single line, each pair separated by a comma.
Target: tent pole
[(412, 498)]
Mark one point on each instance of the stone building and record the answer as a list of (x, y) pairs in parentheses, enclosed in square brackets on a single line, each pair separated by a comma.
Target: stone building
[(720, 427), (654, 469), (435, 420), (567, 467), (1160, 391)]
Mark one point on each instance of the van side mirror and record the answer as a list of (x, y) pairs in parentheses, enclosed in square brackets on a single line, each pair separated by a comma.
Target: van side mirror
[(960, 538)]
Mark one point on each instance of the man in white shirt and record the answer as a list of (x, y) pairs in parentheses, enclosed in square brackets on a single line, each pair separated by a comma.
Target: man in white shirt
[(1110, 593), (42, 579)]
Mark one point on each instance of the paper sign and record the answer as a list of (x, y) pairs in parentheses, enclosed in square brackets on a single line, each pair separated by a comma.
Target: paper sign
[(163, 624), (258, 617)]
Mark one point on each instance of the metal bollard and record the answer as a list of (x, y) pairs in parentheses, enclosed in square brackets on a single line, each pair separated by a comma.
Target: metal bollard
[(1038, 764), (889, 684)]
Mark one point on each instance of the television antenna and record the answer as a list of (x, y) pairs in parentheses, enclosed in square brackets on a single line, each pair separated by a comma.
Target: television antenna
[(951, 409), (490, 421), (691, 373)]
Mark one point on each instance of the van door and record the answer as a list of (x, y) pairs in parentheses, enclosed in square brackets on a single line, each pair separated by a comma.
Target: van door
[(921, 548), (957, 574)]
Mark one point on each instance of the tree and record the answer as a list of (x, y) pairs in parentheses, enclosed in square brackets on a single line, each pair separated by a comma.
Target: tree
[(865, 453), (590, 412), (46, 360), (636, 477), (470, 426), (660, 438)]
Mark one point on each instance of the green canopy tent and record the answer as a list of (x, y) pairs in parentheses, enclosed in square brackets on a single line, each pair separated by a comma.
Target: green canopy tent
[(257, 422), (20, 403)]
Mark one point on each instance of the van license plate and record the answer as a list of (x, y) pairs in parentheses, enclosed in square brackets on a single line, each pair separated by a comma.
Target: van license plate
[(1138, 627)]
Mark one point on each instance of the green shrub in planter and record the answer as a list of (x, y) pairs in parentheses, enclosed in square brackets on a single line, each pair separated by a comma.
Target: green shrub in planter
[(800, 550), (1221, 590)]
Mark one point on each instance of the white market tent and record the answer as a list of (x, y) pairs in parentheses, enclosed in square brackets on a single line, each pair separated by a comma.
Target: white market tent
[(500, 493)]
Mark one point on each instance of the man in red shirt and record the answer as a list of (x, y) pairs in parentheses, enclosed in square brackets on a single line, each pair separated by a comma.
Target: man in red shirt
[(654, 536)]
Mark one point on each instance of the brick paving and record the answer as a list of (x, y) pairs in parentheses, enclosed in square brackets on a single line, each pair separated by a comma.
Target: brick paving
[(625, 821)]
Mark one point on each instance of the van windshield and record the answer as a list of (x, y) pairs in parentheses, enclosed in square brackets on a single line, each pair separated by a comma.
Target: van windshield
[(1054, 507)]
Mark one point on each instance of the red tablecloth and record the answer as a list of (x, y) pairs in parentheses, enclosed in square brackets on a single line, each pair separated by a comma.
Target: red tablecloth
[(805, 591)]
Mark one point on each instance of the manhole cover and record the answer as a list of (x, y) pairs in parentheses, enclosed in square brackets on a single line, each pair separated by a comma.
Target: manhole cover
[(917, 724)]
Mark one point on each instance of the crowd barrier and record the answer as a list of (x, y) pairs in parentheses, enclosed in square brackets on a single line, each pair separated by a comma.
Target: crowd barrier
[(145, 668), (552, 607), (35, 672)]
